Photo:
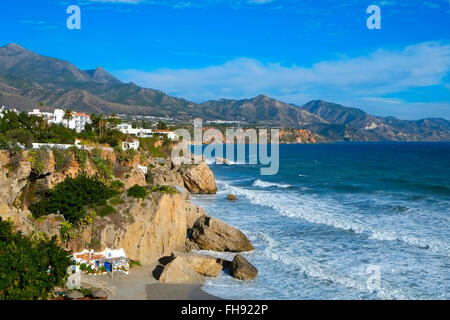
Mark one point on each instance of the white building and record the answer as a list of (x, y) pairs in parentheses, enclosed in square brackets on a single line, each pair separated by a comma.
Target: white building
[(77, 121), (130, 145), (170, 134), (4, 109), (126, 128)]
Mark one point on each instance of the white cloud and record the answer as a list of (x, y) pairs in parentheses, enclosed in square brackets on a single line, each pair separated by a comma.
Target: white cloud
[(382, 72)]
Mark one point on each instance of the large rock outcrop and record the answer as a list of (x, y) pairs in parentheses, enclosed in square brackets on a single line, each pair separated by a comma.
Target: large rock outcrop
[(21, 219), (190, 268), (15, 170), (212, 234), (198, 178), (241, 269), (165, 176), (146, 229), (135, 176)]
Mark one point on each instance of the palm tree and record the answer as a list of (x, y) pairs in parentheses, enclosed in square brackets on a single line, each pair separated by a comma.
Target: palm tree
[(41, 105), (68, 115)]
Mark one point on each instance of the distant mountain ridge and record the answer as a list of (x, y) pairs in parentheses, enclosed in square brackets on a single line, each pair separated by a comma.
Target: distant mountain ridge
[(27, 78)]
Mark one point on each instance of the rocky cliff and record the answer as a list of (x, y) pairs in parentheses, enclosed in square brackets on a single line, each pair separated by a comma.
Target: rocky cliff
[(147, 229)]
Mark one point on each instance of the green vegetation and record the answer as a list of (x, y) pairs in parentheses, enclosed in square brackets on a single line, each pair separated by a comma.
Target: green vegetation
[(71, 197), (104, 166), (164, 189), (133, 263), (63, 159), (38, 158), (137, 191), (161, 125), (148, 145), (80, 155), (105, 210), (29, 269), (124, 156), (26, 129)]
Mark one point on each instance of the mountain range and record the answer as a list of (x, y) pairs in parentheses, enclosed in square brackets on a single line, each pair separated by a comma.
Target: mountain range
[(27, 78)]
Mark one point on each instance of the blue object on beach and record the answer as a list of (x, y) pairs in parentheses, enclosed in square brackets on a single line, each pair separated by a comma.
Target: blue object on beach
[(108, 266)]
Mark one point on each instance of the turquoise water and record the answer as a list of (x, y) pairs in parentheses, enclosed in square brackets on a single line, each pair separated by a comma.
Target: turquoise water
[(335, 212)]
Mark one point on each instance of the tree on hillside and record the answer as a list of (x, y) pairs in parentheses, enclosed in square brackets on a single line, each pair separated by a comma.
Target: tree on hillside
[(29, 269), (161, 125), (68, 115)]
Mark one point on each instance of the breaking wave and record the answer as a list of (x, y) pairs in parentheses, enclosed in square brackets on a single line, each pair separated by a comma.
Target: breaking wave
[(319, 211), (265, 184)]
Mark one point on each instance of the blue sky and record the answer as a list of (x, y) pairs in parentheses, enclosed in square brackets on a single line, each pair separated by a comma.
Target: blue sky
[(293, 50)]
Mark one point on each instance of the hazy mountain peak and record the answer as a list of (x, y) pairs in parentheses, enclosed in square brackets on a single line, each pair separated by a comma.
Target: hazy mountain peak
[(27, 78), (14, 46), (101, 75)]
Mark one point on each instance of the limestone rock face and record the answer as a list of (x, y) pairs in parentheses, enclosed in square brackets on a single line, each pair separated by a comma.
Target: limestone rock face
[(21, 220), (146, 229), (14, 173), (164, 176), (190, 268), (50, 224), (135, 176), (241, 269), (198, 178), (193, 212), (212, 234)]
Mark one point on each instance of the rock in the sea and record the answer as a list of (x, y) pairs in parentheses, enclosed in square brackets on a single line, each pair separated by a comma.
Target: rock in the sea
[(190, 268), (212, 234), (75, 295), (231, 197), (241, 269), (99, 294), (198, 178)]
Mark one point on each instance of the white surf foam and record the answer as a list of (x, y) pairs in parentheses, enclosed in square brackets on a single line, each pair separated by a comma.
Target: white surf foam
[(265, 184), (326, 212), (321, 272)]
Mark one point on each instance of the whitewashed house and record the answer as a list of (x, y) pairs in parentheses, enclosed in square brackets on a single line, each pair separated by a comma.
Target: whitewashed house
[(170, 134), (130, 145), (126, 128), (77, 122)]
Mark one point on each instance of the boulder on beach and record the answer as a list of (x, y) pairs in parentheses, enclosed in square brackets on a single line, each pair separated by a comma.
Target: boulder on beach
[(198, 178), (190, 268), (212, 234), (241, 269), (75, 295), (99, 294)]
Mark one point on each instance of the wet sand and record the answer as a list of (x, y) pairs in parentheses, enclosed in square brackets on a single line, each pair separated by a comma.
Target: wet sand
[(141, 285)]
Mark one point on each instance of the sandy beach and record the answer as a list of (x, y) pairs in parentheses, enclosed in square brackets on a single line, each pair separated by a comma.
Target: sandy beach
[(140, 284)]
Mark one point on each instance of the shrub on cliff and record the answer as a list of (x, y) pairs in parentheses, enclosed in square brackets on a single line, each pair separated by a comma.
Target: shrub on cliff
[(29, 269), (137, 191), (71, 197), (164, 189)]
